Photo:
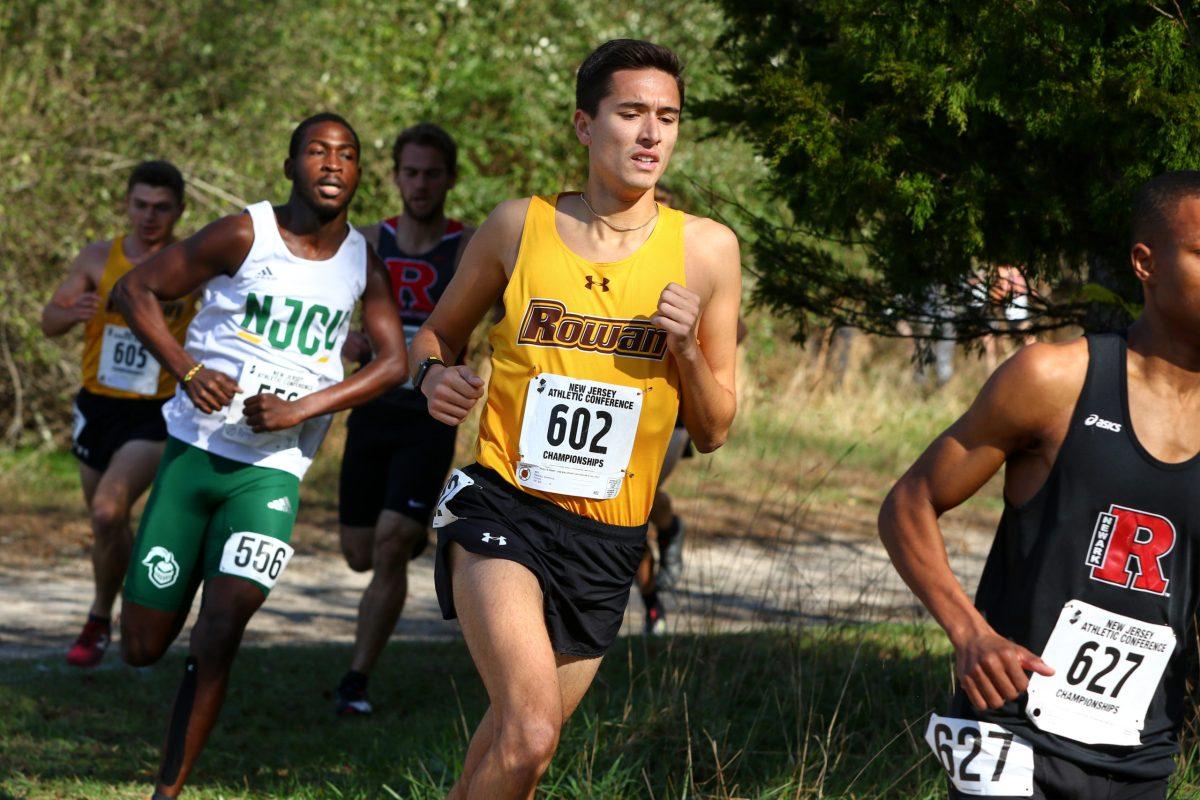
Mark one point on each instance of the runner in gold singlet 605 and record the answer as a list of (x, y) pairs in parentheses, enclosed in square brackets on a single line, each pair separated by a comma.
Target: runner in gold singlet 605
[(119, 430), (615, 309)]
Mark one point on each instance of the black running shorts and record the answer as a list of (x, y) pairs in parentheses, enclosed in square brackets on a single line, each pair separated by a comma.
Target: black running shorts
[(104, 424), (395, 459), (584, 567), (1056, 778)]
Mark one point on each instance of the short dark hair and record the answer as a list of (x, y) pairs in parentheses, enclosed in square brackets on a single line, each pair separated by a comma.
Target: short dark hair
[(593, 82), (324, 116), (1155, 201), (427, 134), (158, 173)]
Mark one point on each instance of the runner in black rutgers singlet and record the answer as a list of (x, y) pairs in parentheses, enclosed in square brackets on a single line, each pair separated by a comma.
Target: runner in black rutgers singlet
[(1071, 662), (1115, 528), (397, 456)]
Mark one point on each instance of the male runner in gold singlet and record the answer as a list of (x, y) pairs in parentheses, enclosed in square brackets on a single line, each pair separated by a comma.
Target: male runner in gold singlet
[(614, 308), (119, 430)]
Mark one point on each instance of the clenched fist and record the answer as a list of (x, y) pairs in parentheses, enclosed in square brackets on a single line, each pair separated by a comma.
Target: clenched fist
[(452, 392), (210, 390), (678, 314), (83, 308), (270, 412)]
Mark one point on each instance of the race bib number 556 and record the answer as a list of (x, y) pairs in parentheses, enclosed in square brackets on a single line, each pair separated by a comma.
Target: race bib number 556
[(981, 758), (256, 556), (258, 377)]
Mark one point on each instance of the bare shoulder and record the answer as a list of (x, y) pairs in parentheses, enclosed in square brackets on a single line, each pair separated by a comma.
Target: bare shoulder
[(712, 259), (1048, 368), (498, 239), (710, 243), (93, 256), (234, 230), (509, 216), (1037, 388), (702, 232)]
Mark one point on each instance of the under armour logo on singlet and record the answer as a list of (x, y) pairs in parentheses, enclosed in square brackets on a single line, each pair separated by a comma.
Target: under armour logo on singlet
[(592, 284)]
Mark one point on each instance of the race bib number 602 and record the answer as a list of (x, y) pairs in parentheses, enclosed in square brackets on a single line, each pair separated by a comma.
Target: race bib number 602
[(982, 759), (577, 436)]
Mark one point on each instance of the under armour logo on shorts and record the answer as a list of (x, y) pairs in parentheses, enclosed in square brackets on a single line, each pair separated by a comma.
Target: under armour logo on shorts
[(487, 538)]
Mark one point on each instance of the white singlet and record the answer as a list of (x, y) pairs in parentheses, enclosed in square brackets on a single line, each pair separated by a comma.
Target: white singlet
[(277, 325)]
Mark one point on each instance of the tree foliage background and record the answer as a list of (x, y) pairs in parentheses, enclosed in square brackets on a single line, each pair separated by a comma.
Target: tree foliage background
[(919, 145), (89, 89)]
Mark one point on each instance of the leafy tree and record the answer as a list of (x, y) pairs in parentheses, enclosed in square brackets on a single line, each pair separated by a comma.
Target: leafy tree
[(91, 88), (918, 145)]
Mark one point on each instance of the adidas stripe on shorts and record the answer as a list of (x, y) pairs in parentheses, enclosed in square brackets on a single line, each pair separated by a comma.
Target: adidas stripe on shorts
[(209, 516)]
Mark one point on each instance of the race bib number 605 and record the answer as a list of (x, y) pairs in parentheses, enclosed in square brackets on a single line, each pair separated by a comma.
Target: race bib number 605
[(256, 556), (982, 759), (125, 364)]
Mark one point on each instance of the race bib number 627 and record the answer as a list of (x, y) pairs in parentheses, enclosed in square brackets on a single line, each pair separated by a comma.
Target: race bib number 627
[(981, 758)]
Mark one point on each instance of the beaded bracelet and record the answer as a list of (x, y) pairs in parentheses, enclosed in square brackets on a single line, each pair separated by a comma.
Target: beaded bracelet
[(192, 372)]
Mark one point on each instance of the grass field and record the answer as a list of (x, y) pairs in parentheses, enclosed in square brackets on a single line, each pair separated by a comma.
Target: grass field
[(791, 711), (817, 713)]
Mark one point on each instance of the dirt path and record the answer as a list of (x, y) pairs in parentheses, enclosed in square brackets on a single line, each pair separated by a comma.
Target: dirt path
[(729, 584)]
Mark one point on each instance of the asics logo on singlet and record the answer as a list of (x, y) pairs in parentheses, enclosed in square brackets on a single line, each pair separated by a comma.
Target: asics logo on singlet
[(592, 283), (164, 569), (1102, 424), (487, 538), (548, 323), (304, 327)]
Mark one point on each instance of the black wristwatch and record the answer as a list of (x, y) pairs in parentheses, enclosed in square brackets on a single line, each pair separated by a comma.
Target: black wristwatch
[(423, 370)]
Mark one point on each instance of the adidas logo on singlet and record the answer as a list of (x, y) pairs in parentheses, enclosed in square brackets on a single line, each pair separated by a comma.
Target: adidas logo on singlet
[(1102, 424)]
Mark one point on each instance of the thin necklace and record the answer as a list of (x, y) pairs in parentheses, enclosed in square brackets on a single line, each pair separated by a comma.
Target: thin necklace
[(617, 228)]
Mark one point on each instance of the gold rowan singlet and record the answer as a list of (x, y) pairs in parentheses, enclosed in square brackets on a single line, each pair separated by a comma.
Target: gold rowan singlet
[(584, 393), (114, 362)]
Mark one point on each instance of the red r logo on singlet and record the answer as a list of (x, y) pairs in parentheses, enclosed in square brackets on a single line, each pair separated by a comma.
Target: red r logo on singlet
[(411, 282), (1128, 547)]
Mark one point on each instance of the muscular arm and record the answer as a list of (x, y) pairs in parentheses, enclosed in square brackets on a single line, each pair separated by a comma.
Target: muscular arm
[(1018, 416), (477, 284), (174, 272), (706, 351), (75, 299)]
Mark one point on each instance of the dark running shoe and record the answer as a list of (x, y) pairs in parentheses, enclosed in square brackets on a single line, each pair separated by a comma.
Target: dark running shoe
[(670, 554), (93, 640), (352, 696)]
